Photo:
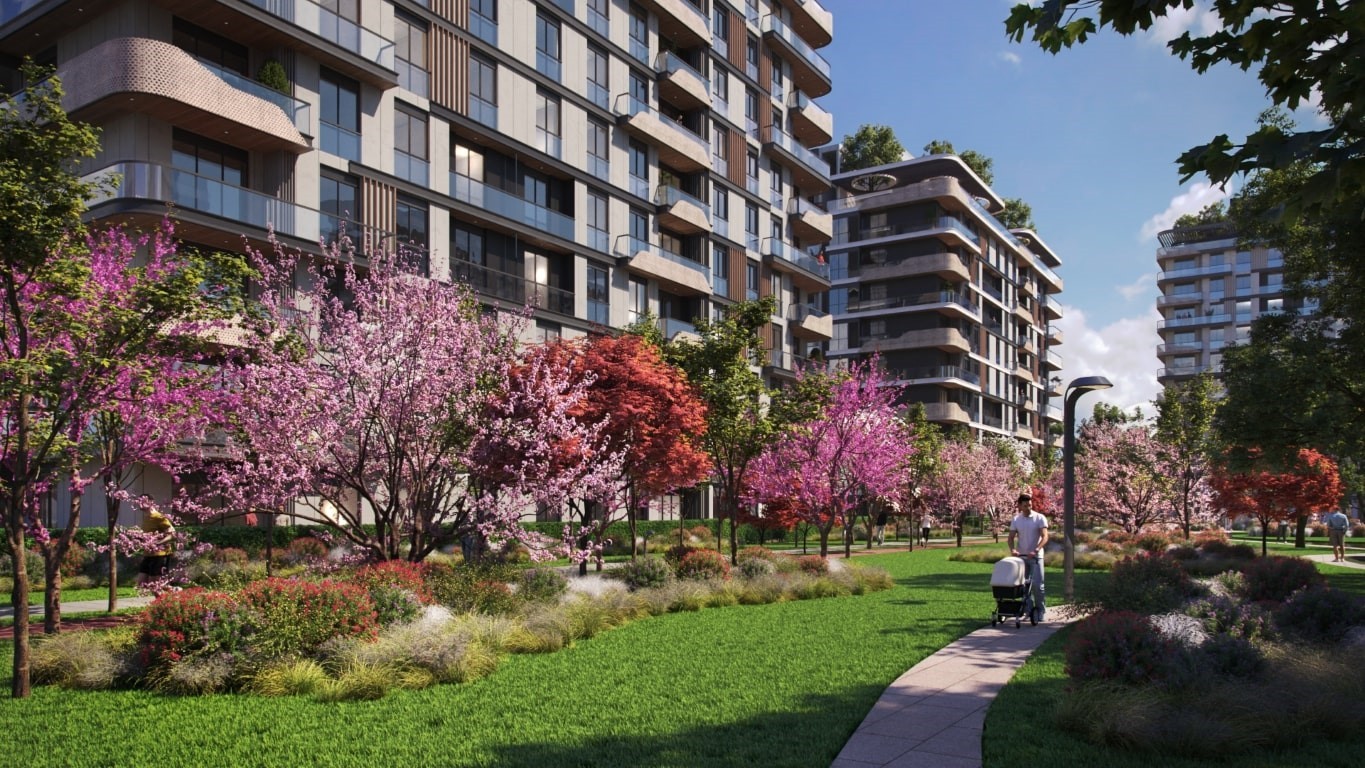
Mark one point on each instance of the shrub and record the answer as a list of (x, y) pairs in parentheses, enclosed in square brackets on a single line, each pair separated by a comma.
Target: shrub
[(543, 584), (1316, 529), (228, 555), (1147, 584), (755, 553), (1223, 616), (305, 549), (395, 573), (273, 76), (81, 660), (1118, 536), (1095, 561), (1358, 530), (226, 577), (394, 605), (1320, 614), (1222, 548), (33, 565), (761, 590), (74, 561), (675, 554), (1274, 579), (815, 565), (1201, 538), (1118, 645), (1155, 543), (473, 587), (704, 564), (193, 622), (1231, 656), (1183, 553), (647, 573), (297, 617), (754, 568)]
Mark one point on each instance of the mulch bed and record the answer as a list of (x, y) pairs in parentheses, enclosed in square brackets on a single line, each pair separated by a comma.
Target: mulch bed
[(92, 622)]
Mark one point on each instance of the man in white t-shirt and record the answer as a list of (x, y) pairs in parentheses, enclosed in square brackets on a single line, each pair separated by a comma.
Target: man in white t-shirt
[(1028, 530)]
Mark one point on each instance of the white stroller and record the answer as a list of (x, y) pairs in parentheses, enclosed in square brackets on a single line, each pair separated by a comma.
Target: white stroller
[(1013, 591)]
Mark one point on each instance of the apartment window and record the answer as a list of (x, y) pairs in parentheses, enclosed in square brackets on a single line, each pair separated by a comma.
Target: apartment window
[(211, 160), (720, 211), (639, 91), (720, 29), (210, 48), (547, 331), (720, 88), (751, 226), (547, 123), (339, 203), (483, 20), (776, 81), (599, 236), (639, 300), (639, 226), (483, 90), (346, 9), (775, 186), (1273, 305), (775, 227), (1243, 283), (720, 270), (638, 32), (598, 145), (775, 287), (751, 280), (720, 150), (639, 169), (599, 84), (340, 117), (1184, 288), (670, 243), (751, 112), (599, 295), (411, 228), (599, 16), (1185, 339), (1243, 261), (547, 46), (553, 289), (751, 57), (1243, 311), (410, 145), (751, 171), (410, 53), (1272, 280)]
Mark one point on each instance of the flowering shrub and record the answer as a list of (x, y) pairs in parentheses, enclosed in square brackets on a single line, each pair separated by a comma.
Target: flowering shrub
[(1118, 645), (704, 564), (296, 617), (305, 549), (394, 605), (1320, 614), (1118, 536), (647, 573), (675, 554), (1231, 656), (74, 561), (193, 622), (813, 564), (395, 573), (1223, 616), (755, 553), (1209, 535), (542, 584), (1147, 584), (1276, 578), (473, 588)]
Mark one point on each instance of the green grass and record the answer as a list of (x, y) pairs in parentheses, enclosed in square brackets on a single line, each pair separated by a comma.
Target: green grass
[(1020, 729), (781, 684)]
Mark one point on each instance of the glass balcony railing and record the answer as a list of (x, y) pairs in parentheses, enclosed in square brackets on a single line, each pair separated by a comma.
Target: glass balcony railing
[(945, 223), (1211, 269), (670, 62), (13, 9), (599, 239), (484, 112), (774, 135), (599, 23), (779, 28), (410, 168), (509, 206), (773, 246), (298, 111), (963, 299), (548, 65), (639, 50), (629, 246), (413, 77), (672, 326), (599, 95), (490, 282), (1181, 321), (937, 372), (600, 167), (345, 33), (599, 312), (341, 142), (631, 106), (669, 195), (483, 28), (1052, 304)]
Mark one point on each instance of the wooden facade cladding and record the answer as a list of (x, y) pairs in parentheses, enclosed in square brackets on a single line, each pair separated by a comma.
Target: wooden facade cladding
[(739, 39), (739, 159), (739, 264), (765, 75), (454, 11), (449, 69), (378, 204)]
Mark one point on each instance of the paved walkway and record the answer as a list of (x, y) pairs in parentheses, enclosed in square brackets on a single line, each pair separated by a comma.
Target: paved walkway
[(35, 608)]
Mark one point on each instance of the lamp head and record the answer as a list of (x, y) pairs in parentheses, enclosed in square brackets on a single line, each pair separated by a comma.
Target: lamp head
[(1089, 383)]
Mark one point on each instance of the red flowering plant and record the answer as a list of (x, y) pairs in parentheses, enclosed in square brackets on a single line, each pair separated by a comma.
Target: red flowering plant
[(703, 564), (815, 565), (193, 622), (400, 574), (297, 617)]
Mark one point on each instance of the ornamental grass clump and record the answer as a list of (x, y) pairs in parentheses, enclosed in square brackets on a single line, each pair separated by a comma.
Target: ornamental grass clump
[(82, 660), (451, 655), (289, 677)]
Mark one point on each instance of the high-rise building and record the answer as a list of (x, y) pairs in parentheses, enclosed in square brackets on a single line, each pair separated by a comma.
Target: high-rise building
[(1212, 288), (957, 306), (606, 160)]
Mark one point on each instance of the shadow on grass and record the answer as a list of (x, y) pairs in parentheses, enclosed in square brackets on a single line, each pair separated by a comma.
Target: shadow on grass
[(791, 738)]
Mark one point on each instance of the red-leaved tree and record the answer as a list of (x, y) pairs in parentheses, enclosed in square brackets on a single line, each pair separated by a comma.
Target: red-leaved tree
[(1311, 485)]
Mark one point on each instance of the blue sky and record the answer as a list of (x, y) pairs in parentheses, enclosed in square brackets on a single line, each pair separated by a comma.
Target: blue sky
[(1088, 138)]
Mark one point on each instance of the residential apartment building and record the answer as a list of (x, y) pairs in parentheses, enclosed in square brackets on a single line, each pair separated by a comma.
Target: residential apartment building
[(604, 160), (958, 307), (1212, 287)]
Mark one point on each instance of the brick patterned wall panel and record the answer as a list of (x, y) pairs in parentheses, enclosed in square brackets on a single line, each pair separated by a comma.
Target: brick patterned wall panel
[(176, 87)]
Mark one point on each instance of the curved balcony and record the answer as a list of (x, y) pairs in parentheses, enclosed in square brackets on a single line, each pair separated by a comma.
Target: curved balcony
[(947, 413), (1180, 299), (810, 71), (680, 84), (162, 80), (350, 43), (808, 272), (812, 125), (681, 212), (958, 303), (946, 339), (678, 147), (809, 172), (672, 270), (681, 21), (809, 323), (809, 221), (951, 231), (812, 22), (947, 265), (1207, 271), (937, 374)]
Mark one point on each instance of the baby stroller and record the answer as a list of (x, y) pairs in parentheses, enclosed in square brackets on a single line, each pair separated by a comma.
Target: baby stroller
[(1013, 591)]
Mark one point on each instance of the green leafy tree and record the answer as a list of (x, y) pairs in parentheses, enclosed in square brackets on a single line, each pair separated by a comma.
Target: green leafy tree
[(980, 164), (870, 146), (1213, 213), (1300, 51), (1017, 214), (1185, 415)]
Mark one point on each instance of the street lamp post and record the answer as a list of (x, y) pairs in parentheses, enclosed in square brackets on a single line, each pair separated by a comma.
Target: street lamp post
[(1074, 390)]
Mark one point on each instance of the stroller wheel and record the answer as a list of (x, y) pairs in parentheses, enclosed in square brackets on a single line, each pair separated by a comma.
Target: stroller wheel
[(1033, 620), (1016, 624)]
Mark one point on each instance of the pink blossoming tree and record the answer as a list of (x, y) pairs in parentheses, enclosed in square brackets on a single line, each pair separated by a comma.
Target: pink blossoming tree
[(1127, 478), (970, 477)]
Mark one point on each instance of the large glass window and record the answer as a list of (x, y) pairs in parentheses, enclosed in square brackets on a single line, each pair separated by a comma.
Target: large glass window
[(751, 226), (411, 228), (208, 158), (599, 143), (720, 210), (720, 88), (751, 57), (599, 16), (638, 31), (209, 47), (483, 20), (599, 233), (410, 145), (751, 280), (339, 202), (547, 45), (599, 83), (751, 112), (483, 90), (720, 150), (340, 115), (639, 169), (720, 270), (547, 123), (410, 53), (639, 300), (599, 295), (639, 225), (751, 171)]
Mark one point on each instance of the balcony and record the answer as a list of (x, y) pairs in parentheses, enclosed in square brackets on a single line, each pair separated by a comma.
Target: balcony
[(1210, 270), (951, 300), (1178, 347), (681, 22), (678, 147), (1180, 299), (681, 212), (811, 124), (680, 84), (810, 71), (947, 413), (946, 339), (807, 272), (812, 22), (947, 265), (946, 228), (936, 374), (1186, 321), (513, 289), (678, 330), (809, 221), (1181, 371), (1052, 309), (160, 79), (1053, 412), (511, 207), (1054, 336), (1025, 373), (811, 324), (809, 172), (1051, 359), (353, 40), (1022, 311), (673, 271)]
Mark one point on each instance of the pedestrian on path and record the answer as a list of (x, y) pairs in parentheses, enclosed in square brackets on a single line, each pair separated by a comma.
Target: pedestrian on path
[(1337, 522), (1028, 530)]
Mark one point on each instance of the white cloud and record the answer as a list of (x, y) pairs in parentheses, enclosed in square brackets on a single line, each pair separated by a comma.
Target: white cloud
[(1139, 287), (1123, 351), (1010, 57), (1199, 20), (1191, 201)]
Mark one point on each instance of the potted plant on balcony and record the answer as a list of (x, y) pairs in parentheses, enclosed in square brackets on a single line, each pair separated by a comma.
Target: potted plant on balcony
[(273, 76)]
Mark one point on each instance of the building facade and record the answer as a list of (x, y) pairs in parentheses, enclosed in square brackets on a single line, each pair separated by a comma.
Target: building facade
[(957, 307), (1212, 288), (603, 160)]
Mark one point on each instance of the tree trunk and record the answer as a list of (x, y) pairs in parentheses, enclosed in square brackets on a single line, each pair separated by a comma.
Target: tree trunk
[(848, 541), (1301, 532), (19, 685), (269, 545), (1265, 536), (631, 515), (52, 591), (824, 542), (113, 560)]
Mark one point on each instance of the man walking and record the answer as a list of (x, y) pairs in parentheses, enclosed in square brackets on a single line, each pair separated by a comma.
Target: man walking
[(1337, 523), (1028, 530)]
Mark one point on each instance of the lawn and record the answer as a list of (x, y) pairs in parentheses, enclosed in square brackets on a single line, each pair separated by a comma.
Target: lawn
[(1019, 727), (781, 684)]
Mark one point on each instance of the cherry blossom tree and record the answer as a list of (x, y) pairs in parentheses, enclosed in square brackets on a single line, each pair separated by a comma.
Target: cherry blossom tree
[(1126, 475), (854, 452), (970, 477), (1311, 484)]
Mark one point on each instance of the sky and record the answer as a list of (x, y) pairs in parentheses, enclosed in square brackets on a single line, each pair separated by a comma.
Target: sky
[(1089, 138)]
